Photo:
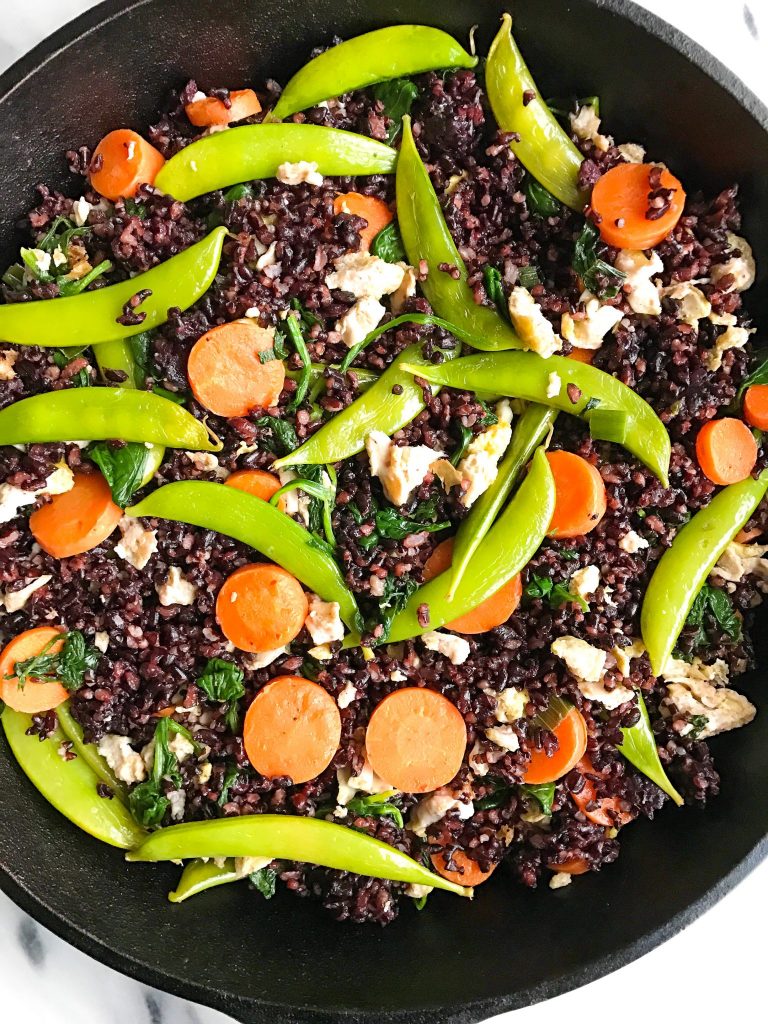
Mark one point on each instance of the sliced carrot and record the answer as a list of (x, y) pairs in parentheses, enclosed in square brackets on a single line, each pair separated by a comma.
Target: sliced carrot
[(374, 210), (226, 373), (261, 607), (77, 520), (756, 406), (582, 355), (622, 198), (293, 728), (36, 696), (416, 740), (580, 498), (745, 536), (571, 736), (726, 450), (492, 612), (607, 811), (121, 162), (164, 712), (254, 481), (576, 866), (468, 872), (211, 111)]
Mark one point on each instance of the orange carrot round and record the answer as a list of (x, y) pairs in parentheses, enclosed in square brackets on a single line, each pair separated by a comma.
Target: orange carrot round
[(580, 498), (467, 871), (293, 728), (36, 696), (374, 210), (204, 113), (621, 199), (121, 162), (261, 607), (226, 373), (492, 612), (576, 866), (571, 736), (77, 520), (607, 811), (416, 740), (756, 406), (726, 450), (254, 481)]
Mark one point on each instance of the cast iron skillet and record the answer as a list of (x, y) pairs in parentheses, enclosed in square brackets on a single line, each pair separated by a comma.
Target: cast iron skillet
[(457, 962)]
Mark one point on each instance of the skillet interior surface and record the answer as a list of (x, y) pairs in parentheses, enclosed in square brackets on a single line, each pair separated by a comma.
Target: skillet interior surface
[(457, 962)]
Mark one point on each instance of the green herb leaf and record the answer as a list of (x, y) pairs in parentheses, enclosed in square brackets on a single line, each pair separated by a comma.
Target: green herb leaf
[(66, 666), (394, 526), (237, 192), (494, 289), (123, 467), (466, 438), (639, 748), (528, 276), (698, 723), (540, 201), (265, 880), (388, 245), (598, 276), (497, 798), (713, 608), (397, 96), (397, 592), (759, 375), (284, 439), (141, 349), (221, 680), (171, 396), (297, 337), (544, 792), (148, 802), (231, 775), (376, 806), (67, 288), (557, 594)]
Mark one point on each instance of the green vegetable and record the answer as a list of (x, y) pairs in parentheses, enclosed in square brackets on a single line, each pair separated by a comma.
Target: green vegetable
[(124, 468), (544, 149), (62, 359), (265, 880), (221, 680), (91, 318), (391, 524), (426, 237), (379, 56), (397, 98), (231, 776), (376, 806), (494, 289), (639, 748), (530, 431), (528, 276), (257, 523), (378, 409), (544, 792), (609, 425), (714, 603), (70, 786), (147, 801), (200, 875), (540, 201), (89, 752), (684, 567), (289, 837), (526, 375), (297, 337), (388, 245), (97, 414), (320, 485), (507, 548), (258, 150), (397, 593), (284, 439), (67, 666), (556, 594), (601, 278)]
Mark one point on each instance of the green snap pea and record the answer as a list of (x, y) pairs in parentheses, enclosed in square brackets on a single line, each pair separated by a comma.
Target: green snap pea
[(395, 52), (91, 317), (380, 408), (526, 375), (98, 414), (87, 751), (530, 431), (684, 567), (200, 875), (543, 148), (426, 238), (507, 548), (257, 151), (254, 522), (70, 786), (289, 837)]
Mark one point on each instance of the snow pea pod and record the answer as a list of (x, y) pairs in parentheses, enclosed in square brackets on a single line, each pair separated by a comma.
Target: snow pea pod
[(254, 522), (426, 237), (70, 786), (507, 548), (200, 875), (526, 375), (378, 409), (257, 150), (87, 751), (98, 414), (683, 568), (395, 52), (542, 146), (91, 317), (287, 837), (530, 431)]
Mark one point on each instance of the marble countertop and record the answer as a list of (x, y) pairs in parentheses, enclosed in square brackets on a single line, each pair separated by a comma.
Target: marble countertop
[(712, 971)]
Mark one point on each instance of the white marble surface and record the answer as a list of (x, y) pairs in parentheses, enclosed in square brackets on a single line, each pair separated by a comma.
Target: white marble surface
[(713, 971)]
